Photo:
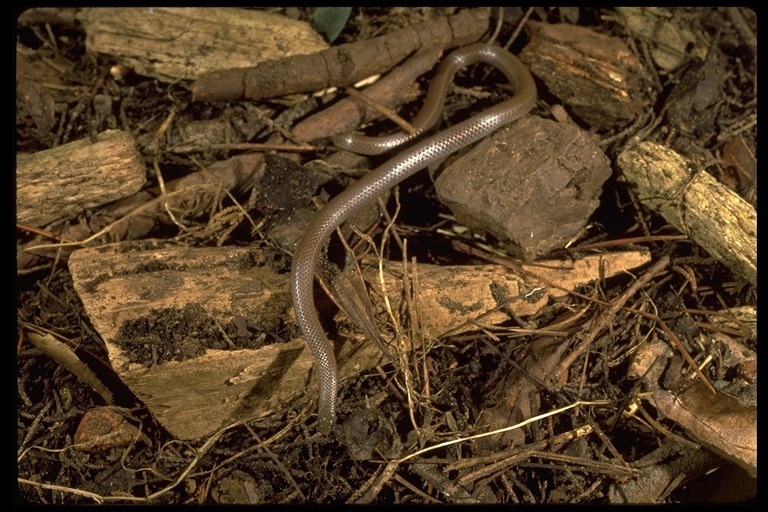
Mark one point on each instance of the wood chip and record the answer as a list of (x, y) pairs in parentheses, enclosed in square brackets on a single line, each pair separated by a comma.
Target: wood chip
[(596, 76), (62, 182), (711, 214), (183, 43), (533, 185)]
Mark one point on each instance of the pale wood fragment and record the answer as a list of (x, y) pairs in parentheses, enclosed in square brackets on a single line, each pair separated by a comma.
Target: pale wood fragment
[(194, 397), (172, 43), (711, 214), (62, 182), (450, 296)]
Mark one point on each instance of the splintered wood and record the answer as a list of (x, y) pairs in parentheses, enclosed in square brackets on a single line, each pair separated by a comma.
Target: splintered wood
[(183, 43), (235, 291), (62, 182), (711, 214)]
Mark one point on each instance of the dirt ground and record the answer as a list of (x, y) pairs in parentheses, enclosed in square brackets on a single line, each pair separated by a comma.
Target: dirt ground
[(606, 369)]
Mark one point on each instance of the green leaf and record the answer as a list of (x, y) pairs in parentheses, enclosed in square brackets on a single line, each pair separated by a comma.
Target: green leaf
[(330, 21)]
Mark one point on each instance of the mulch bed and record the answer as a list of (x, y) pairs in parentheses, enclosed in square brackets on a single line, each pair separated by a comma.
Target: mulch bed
[(607, 361)]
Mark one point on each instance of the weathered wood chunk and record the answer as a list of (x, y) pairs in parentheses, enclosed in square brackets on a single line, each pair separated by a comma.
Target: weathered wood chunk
[(62, 182), (532, 185)]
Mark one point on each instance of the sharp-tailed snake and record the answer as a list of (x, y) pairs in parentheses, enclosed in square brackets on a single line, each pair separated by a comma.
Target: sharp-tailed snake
[(387, 175)]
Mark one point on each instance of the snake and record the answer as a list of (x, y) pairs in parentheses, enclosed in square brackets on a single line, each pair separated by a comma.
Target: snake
[(402, 165)]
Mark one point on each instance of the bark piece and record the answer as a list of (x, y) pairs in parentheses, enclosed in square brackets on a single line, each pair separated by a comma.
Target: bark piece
[(135, 284), (450, 296), (532, 185), (184, 43), (62, 182), (191, 197), (342, 65), (711, 214), (595, 75), (192, 397)]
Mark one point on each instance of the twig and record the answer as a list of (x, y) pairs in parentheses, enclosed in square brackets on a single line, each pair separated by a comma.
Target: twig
[(502, 430), (63, 355)]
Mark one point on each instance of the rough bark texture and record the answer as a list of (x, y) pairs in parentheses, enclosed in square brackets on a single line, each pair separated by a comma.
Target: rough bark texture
[(533, 185), (133, 217), (62, 182), (712, 215), (341, 65), (595, 75), (183, 43)]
